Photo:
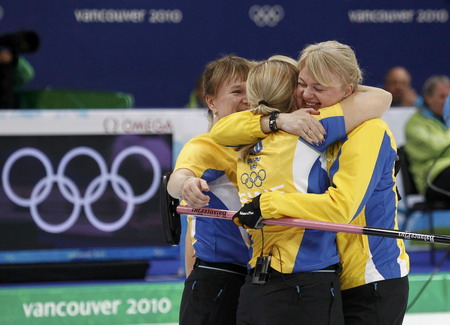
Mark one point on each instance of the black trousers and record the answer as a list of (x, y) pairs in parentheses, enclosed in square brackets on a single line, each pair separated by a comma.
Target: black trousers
[(288, 299), (441, 181), (210, 297), (379, 303)]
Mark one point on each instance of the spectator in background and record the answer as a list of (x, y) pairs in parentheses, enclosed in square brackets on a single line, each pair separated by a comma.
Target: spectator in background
[(7, 68), (15, 71), (428, 141), (447, 111), (197, 96), (398, 82)]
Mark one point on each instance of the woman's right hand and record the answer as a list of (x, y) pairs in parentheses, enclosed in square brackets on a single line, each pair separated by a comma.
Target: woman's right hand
[(301, 123), (192, 192)]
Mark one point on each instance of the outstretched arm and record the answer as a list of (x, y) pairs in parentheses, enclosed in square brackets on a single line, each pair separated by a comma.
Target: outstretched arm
[(245, 127), (237, 129)]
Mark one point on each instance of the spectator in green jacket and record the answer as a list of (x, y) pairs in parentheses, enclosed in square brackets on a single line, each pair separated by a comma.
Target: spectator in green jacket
[(428, 141)]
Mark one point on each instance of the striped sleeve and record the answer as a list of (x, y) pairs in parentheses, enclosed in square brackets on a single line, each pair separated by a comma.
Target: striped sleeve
[(332, 119), (244, 127)]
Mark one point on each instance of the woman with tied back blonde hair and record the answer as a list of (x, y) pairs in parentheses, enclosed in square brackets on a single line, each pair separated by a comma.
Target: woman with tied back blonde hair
[(304, 285), (274, 79)]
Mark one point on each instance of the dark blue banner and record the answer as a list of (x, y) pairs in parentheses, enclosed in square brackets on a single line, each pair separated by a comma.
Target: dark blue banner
[(155, 50)]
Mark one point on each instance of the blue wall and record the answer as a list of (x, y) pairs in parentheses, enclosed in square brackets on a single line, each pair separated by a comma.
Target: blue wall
[(157, 51)]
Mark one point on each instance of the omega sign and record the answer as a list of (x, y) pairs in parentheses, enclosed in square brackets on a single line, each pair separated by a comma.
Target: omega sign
[(114, 125)]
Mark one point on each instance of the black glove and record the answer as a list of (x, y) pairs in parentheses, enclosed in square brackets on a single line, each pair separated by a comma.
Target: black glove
[(249, 216)]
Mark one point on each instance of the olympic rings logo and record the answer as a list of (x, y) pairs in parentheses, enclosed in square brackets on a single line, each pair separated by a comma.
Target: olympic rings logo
[(266, 15), (70, 191), (254, 179)]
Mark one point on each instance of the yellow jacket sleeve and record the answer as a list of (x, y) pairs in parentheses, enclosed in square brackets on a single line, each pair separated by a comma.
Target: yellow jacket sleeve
[(237, 129)]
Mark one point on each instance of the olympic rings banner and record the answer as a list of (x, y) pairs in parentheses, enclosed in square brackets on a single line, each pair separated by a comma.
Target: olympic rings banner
[(84, 185), (156, 49)]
